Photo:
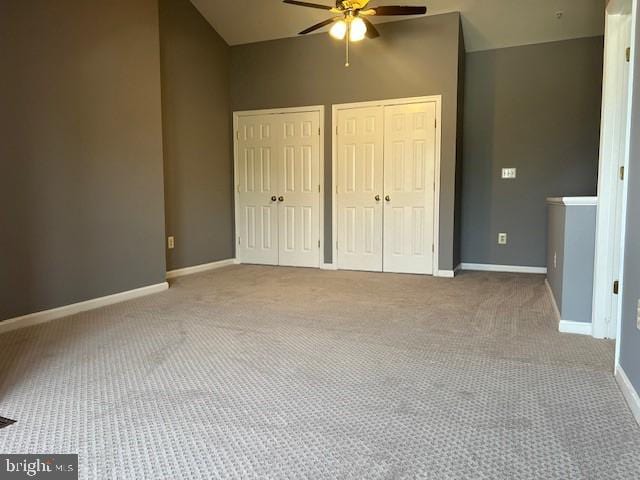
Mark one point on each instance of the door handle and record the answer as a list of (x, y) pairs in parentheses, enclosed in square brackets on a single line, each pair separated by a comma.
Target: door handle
[(377, 198), (387, 198), (274, 198), (281, 198)]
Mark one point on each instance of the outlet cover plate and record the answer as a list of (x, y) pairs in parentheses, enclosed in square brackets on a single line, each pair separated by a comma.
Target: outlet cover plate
[(502, 239)]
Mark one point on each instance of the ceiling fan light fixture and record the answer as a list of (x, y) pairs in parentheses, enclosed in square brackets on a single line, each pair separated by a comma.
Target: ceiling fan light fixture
[(339, 30), (358, 30)]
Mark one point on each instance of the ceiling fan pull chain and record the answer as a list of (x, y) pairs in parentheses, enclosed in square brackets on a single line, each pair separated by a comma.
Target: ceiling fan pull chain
[(346, 38)]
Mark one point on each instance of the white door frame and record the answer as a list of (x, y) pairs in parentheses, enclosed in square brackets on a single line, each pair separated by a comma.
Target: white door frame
[(277, 111), (437, 99), (608, 181)]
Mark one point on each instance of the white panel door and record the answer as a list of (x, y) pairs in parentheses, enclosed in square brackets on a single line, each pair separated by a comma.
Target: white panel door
[(298, 147), (359, 188), (257, 189), (409, 186)]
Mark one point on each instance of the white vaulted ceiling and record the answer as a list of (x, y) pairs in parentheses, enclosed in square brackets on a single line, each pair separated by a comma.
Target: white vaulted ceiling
[(487, 24)]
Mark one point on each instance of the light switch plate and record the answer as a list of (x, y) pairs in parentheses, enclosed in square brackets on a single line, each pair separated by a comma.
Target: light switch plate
[(502, 238), (509, 173), (171, 243)]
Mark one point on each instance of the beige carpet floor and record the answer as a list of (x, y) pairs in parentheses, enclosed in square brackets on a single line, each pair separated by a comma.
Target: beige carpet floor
[(262, 372)]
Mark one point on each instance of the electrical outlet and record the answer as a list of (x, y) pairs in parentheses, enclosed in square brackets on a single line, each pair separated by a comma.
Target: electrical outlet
[(502, 239), (555, 260), (171, 243), (638, 318), (509, 173)]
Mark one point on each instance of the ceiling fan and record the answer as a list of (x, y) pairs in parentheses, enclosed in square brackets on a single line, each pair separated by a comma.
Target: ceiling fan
[(351, 23)]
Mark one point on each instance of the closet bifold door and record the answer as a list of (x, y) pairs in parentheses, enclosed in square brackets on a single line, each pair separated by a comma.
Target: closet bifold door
[(409, 185), (298, 147), (360, 188), (257, 190)]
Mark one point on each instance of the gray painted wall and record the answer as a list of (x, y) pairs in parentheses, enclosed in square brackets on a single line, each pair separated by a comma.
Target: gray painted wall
[(630, 338), (555, 247), (81, 152), (572, 239), (572, 236), (579, 255), (536, 108), (197, 137), (457, 220), (412, 58)]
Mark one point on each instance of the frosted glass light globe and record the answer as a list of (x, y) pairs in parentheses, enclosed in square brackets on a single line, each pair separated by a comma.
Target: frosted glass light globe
[(358, 30), (339, 30)]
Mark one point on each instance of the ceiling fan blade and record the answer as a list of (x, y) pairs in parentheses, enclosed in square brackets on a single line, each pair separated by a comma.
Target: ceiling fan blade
[(307, 4), (318, 26), (397, 10), (372, 31)]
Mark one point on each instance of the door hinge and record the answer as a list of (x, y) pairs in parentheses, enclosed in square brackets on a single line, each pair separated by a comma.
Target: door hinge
[(616, 287), (621, 173), (239, 242), (319, 189), (336, 130), (318, 243), (318, 131), (237, 134), (435, 123), (628, 54), (336, 245), (433, 248)]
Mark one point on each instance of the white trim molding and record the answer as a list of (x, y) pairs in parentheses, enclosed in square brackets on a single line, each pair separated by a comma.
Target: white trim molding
[(615, 134), (573, 201), (629, 393), (578, 328), (567, 326), (446, 273), (181, 272), (490, 267), (75, 308)]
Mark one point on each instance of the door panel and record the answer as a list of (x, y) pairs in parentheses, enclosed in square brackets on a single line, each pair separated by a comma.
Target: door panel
[(359, 180), (299, 182), (409, 178), (257, 225)]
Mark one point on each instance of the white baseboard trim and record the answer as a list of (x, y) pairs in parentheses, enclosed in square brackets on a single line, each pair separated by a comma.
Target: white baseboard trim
[(181, 272), (567, 326), (489, 267), (629, 393), (579, 328), (445, 273), (328, 266), (68, 310)]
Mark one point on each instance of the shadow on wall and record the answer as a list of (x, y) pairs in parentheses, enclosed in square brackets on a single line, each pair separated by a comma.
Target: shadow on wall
[(477, 170)]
